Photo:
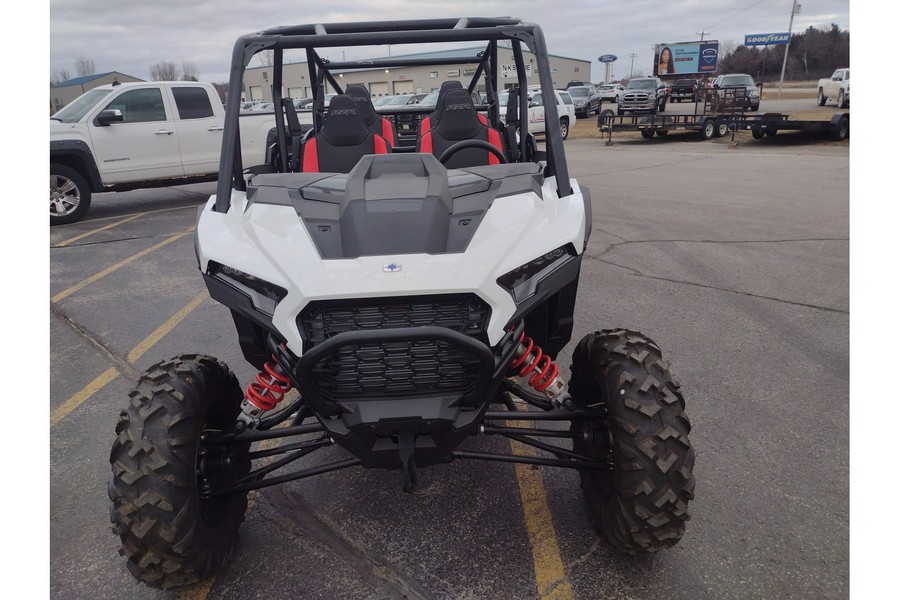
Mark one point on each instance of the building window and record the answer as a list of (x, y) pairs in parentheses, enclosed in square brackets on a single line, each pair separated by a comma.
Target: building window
[(433, 74)]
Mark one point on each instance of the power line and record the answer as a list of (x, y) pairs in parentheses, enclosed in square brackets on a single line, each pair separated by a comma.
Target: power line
[(752, 6)]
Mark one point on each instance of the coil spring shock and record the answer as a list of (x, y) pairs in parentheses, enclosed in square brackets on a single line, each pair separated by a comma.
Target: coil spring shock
[(533, 360), (266, 392)]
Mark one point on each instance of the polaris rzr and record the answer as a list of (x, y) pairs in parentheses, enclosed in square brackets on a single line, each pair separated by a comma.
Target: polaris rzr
[(413, 289)]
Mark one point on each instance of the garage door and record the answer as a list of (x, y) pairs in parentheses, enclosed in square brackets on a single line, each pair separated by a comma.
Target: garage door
[(379, 89), (256, 92), (404, 87)]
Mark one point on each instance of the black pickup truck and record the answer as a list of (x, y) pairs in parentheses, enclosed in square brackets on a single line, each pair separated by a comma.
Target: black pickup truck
[(685, 89)]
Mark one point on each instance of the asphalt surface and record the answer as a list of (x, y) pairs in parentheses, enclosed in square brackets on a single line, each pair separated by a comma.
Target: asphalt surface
[(734, 259)]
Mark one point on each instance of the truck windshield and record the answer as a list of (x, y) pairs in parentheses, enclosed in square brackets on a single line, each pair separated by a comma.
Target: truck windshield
[(642, 84), (80, 106)]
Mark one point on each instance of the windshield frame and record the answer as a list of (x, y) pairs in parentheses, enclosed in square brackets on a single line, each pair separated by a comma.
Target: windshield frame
[(76, 110)]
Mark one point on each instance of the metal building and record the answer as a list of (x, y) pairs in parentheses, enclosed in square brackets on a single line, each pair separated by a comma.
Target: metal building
[(63, 93)]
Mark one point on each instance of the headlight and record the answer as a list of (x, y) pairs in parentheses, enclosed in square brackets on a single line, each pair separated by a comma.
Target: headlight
[(264, 295), (522, 281)]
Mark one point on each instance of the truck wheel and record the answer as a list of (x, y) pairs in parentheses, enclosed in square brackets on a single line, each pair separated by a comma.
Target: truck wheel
[(171, 535), (842, 130), (821, 98), (564, 127), (70, 196), (640, 504), (647, 133), (757, 134), (842, 100), (662, 105), (619, 110), (709, 129)]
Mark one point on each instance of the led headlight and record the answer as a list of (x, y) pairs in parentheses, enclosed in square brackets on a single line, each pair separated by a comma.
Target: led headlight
[(522, 281), (264, 295)]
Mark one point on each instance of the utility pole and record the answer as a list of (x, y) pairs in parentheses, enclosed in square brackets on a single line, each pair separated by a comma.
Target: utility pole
[(795, 10), (701, 34), (631, 73)]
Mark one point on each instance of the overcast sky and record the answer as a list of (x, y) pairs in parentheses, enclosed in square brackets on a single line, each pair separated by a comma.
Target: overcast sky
[(129, 37)]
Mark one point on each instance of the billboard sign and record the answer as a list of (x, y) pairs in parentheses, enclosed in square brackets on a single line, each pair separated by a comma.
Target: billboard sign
[(686, 58), (767, 39)]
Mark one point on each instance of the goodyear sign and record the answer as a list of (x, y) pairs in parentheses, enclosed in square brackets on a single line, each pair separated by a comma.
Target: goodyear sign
[(767, 39)]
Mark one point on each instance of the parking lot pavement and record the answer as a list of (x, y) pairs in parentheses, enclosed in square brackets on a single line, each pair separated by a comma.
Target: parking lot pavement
[(735, 262)]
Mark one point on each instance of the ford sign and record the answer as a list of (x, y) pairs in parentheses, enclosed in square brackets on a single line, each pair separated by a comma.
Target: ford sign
[(608, 58)]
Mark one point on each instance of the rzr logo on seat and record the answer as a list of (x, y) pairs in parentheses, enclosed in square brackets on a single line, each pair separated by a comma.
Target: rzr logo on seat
[(343, 111), (457, 107)]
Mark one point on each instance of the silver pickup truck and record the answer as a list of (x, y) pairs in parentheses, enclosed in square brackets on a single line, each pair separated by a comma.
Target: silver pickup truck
[(643, 94)]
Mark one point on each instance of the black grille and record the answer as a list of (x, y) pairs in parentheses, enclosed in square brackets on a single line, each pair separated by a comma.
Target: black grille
[(391, 369)]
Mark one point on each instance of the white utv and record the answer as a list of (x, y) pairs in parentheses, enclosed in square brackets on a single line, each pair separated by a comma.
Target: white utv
[(414, 291)]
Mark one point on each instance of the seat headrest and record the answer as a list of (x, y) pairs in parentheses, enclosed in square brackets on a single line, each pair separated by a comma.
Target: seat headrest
[(344, 125), (442, 95), (458, 118), (359, 93)]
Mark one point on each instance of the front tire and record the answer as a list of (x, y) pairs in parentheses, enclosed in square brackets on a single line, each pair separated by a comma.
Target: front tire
[(70, 195), (170, 535), (640, 504), (820, 98), (564, 128), (842, 100)]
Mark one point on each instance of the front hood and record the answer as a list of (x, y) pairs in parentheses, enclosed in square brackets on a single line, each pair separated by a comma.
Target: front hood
[(67, 130)]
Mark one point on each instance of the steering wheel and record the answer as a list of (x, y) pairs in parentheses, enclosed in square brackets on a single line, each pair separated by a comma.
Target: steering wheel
[(472, 144)]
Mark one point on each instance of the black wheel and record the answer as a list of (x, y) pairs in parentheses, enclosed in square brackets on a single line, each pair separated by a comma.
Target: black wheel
[(640, 504), (820, 98), (842, 130), (647, 133), (662, 132), (709, 129), (757, 134), (172, 535), (70, 196), (842, 100), (619, 110), (564, 128), (662, 105)]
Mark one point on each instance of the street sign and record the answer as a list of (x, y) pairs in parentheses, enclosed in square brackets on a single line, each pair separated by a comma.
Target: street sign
[(608, 58), (767, 39)]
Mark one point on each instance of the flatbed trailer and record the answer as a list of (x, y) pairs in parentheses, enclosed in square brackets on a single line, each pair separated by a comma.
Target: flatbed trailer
[(720, 113)]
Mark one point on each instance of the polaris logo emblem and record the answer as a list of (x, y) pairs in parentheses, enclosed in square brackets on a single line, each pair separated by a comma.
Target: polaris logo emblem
[(457, 106), (343, 111), (392, 268)]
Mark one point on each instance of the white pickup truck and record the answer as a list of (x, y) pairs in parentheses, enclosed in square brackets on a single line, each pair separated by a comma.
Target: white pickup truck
[(836, 87), (134, 135), (565, 107)]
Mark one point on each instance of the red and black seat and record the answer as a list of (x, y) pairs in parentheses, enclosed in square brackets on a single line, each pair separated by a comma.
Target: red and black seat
[(343, 140), (459, 121), (429, 121), (376, 123)]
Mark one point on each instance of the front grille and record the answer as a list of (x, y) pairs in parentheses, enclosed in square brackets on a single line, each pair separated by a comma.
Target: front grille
[(389, 369)]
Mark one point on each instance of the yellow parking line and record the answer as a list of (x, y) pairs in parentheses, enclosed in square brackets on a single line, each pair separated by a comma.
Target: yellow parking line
[(69, 291), (549, 572), (104, 378), (98, 230), (196, 592)]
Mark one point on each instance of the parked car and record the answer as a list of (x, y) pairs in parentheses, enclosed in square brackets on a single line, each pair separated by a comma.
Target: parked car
[(837, 87), (536, 115), (739, 81), (611, 92), (587, 99), (303, 103), (643, 94), (685, 89)]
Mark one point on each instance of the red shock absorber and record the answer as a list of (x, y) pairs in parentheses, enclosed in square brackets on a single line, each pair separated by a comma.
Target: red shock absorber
[(533, 360), (266, 392)]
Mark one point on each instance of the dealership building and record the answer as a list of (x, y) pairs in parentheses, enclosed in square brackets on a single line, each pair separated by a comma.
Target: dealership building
[(409, 80)]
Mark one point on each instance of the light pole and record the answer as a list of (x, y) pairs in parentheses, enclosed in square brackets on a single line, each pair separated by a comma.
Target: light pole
[(795, 9)]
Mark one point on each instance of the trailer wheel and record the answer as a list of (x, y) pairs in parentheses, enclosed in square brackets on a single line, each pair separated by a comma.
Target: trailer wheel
[(647, 133), (172, 535), (640, 504), (70, 195), (842, 130), (721, 129), (709, 129), (757, 134), (821, 97), (662, 132)]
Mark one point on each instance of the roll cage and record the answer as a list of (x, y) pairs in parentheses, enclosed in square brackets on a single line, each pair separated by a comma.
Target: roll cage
[(314, 37)]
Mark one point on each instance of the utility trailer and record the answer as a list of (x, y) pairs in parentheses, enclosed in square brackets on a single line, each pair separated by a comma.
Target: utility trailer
[(768, 124), (711, 118)]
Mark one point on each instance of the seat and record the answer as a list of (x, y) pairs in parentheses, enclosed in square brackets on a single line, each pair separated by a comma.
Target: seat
[(459, 121), (343, 140), (429, 121), (376, 123)]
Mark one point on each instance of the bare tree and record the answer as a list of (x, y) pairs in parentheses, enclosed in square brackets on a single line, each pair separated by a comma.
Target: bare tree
[(60, 76), (164, 71), (189, 71), (84, 66), (266, 58)]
